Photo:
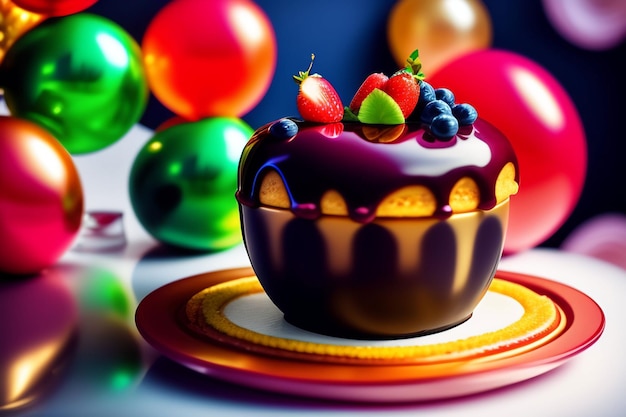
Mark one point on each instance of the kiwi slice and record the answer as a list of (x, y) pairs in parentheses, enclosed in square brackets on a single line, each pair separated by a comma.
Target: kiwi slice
[(379, 108)]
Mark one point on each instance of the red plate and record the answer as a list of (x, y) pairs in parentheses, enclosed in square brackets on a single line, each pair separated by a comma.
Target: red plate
[(157, 319)]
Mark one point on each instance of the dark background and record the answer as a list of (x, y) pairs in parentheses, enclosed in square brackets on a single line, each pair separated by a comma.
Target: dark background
[(352, 31)]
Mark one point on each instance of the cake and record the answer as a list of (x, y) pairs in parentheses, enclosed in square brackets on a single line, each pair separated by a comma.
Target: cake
[(385, 219)]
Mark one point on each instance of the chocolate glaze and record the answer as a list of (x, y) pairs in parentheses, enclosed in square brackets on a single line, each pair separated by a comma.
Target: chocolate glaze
[(365, 163)]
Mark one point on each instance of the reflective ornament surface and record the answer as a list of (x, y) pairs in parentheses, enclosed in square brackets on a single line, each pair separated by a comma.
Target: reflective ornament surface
[(41, 198), (80, 76), (14, 22), (595, 25), (210, 58), (442, 30), (55, 7), (536, 114), (183, 181)]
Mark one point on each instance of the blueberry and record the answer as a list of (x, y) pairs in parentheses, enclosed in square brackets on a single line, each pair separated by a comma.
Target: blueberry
[(434, 108), (465, 113), (427, 94), (444, 126), (283, 129), (445, 95)]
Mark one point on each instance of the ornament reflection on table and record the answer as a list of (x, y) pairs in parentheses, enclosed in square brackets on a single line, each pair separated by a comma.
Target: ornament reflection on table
[(539, 118), (108, 356), (101, 231), (79, 76), (40, 322)]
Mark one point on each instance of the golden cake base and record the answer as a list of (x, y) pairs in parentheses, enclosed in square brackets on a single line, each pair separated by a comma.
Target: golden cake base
[(541, 321)]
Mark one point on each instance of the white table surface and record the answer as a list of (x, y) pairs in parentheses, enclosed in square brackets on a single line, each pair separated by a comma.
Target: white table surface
[(590, 384)]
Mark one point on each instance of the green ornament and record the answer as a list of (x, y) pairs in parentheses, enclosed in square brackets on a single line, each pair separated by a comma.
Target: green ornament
[(183, 181), (79, 76)]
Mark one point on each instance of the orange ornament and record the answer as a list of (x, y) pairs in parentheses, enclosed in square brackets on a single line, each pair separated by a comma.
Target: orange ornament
[(14, 22), (442, 30), (209, 58)]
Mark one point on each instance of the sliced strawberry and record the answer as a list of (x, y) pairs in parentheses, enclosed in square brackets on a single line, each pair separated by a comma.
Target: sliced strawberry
[(317, 99), (404, 88), (373, 81)]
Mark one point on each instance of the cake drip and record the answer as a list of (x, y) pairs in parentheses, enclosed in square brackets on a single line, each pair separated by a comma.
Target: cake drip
[(364, 164)]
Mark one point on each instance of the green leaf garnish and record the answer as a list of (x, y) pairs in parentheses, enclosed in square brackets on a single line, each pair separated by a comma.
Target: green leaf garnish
[(414, 65), (379, 108), (302, 75)]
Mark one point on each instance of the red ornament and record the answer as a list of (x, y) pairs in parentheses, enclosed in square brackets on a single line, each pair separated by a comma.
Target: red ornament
[(534, 111), (41, 198), (209, 58), (55, 7)]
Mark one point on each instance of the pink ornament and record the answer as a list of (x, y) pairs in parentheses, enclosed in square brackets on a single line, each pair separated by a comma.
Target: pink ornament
[(533, 110), (589, 24), (41, 198)]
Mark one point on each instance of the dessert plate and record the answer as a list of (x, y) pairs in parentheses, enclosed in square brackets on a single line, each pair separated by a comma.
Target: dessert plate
[(161, 320)]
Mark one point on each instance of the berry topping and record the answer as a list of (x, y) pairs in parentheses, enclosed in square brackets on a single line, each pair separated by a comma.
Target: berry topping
[(283, 129), (317, 99), (444, 126), (427, 94), (386, 100), (465, 113), (442, 116), (404, 88), (445, 95), (373, 81), (433, 109)]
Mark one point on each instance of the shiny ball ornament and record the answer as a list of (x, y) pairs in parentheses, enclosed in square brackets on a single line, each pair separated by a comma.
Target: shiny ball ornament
[(79, 76), (533, 110), (41, 198), (588, 24), (183, 181), (14, 22), (209, 58), (442, 30), (55, 7)]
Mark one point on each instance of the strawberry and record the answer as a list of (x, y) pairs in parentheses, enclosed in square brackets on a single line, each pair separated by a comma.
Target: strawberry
[(404, 85), (317, 99), (404, 89), (373, 81)]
